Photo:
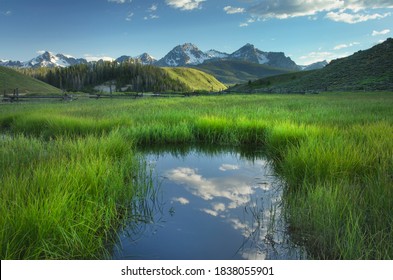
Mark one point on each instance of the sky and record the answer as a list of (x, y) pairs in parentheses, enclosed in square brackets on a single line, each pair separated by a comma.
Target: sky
[(306, 30)]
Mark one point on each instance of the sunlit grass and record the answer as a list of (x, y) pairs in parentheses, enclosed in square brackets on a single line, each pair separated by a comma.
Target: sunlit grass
[(333, 150), (63, 199)]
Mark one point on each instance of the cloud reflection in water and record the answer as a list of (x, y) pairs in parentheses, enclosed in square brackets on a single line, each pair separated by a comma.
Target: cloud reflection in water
[(258, 201), (218, 206)]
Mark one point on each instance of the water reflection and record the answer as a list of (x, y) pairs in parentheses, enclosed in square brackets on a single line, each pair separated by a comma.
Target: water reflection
[(211, 205)]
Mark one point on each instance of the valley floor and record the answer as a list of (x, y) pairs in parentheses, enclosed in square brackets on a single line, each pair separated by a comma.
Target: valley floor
[(65, 166)]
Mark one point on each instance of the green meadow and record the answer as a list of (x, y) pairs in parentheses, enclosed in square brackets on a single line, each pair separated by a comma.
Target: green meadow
[(70, 171), (11, 79)]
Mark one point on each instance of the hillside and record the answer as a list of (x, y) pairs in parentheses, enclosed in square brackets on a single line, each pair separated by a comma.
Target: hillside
[(237, 72), (126, 76), (364, 70), (195, 79), (275, 83), (11, 79), (190, 55)]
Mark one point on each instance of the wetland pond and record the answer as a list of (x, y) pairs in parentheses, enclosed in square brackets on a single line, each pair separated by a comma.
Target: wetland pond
[(209, 205)]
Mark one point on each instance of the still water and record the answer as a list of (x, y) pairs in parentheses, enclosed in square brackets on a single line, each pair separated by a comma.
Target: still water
[(220, 205)]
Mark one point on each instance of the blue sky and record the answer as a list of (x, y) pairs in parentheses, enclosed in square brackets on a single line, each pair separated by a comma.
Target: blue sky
[(306, 30)]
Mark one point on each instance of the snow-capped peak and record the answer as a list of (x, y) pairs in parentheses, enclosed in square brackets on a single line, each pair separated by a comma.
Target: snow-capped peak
[(213, 54), (181, 55), (194, 55), (250, 53), (186, 54), (49, 59), (146, 59)]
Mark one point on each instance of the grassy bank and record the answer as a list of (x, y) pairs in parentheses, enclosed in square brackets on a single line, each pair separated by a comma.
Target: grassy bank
[(63, 198), (334, 151)]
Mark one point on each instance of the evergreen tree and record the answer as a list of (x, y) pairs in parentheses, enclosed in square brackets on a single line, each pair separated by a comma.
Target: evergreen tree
[(130, 74)]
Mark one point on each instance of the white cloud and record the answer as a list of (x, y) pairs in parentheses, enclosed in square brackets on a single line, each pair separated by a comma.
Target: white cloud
[(358, 5), (92, 57), (185, 4), (337, 10), (233, 10), (181, 200), (6, 13), (226, 167), (248, 22), (129, 16), (237, 224), (337, 51), (153, 8), (252, 217), (253, 254), (289, 8), (382, 32), (210, 212), (344, 46), (120, 1), (233, 189), (354, 18), (317, 56), (219, 207), (339, 47), (152, 16)]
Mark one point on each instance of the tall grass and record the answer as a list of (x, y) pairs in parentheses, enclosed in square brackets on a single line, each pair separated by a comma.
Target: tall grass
[(64, 198), (341, 187), (333, 150)]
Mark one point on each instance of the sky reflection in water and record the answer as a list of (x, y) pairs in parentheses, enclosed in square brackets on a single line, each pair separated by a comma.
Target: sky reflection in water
[(220, 206)]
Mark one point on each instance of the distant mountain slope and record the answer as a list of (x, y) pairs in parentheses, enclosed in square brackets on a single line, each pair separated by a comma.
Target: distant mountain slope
[(144, 59), (364, 70), (186, 54), (189, 54), (195, 79), (11, 79), (314, 66), (238, 71), (47, 59), (274, 59)]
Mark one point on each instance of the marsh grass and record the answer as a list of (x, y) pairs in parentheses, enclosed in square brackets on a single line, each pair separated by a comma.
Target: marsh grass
[(68, 169), (62, 199)]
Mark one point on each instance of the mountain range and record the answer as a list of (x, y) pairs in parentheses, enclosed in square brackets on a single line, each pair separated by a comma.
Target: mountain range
[(367, 70), (182, 55), (46, 59)]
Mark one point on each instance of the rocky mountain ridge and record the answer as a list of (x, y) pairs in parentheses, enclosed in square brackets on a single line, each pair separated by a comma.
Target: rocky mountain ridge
[(365, 70), (187, 54)]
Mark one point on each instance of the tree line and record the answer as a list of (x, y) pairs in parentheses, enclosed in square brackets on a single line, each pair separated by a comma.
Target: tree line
[(128, 75)]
